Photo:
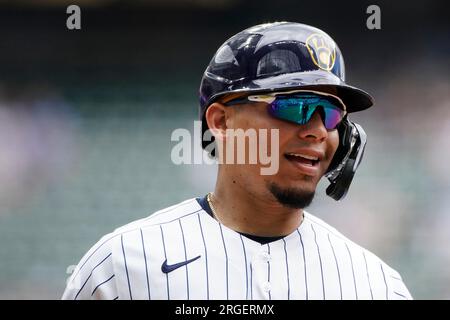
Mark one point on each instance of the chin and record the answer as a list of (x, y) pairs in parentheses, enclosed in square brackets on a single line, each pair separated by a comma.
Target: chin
[(291, 197)]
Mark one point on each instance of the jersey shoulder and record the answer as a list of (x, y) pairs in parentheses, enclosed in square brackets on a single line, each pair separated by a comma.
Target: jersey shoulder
[(323, 227), (102, 271), (391, 276), (94, 276)]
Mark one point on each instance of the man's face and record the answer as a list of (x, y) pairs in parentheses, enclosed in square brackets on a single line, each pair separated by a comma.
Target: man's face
[(296, 180)]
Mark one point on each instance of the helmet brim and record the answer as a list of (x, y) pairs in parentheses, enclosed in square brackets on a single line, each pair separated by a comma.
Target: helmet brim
[(354, 98)]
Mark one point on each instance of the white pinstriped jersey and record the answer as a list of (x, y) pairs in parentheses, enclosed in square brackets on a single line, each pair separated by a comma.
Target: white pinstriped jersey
[(313, 262)]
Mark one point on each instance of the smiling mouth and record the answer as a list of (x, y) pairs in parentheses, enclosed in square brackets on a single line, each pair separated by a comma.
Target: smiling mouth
[(303, 159)]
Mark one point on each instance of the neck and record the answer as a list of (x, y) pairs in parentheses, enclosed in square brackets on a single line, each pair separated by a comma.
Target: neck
[(249, 212)]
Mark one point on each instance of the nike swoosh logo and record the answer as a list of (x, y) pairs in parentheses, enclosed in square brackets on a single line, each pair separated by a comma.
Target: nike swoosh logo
[(166, 268)]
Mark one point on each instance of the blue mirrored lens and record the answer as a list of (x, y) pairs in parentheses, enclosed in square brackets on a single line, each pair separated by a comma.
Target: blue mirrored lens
[(300, 109)]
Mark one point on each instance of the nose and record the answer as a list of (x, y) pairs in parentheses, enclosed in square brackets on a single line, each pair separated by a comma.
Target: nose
[(314, 129)]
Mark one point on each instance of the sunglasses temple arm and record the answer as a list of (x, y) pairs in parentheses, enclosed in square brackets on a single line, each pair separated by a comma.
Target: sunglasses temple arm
[(267, 99)]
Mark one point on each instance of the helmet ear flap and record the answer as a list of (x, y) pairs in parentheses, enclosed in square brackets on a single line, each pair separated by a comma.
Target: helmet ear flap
[(346, 159)]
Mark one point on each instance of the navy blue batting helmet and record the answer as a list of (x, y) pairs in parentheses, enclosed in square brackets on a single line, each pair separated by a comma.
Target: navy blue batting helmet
[(275, 57)]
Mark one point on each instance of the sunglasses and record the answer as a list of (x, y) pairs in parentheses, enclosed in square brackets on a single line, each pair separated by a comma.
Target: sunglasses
[(299, 106)]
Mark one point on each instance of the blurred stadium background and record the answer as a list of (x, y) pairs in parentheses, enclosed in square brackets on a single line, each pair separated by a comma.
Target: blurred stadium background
[(86, 119)]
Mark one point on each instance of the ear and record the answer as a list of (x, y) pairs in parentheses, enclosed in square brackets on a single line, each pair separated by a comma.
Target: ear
[(216, 117)]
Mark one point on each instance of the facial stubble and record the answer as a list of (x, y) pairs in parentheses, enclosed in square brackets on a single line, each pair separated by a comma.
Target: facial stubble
[(295, 198)]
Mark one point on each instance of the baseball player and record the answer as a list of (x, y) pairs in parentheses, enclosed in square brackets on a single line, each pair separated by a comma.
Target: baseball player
[(251, 237)]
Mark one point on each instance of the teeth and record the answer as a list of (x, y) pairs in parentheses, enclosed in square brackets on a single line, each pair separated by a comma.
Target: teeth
[(304, 156)]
